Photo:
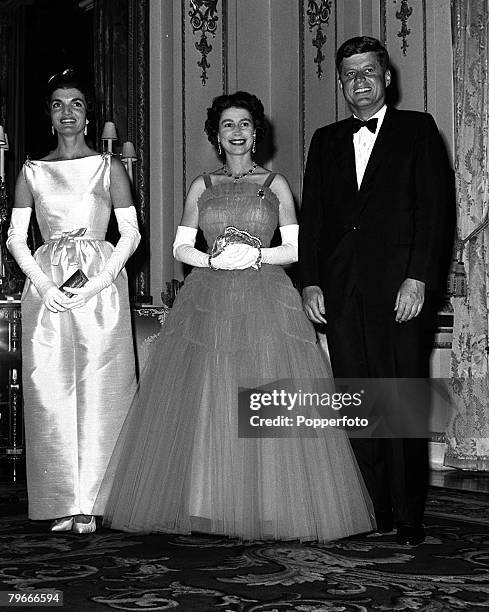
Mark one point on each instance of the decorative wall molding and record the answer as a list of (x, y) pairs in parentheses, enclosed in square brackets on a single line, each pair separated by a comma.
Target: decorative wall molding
[(403, 15), (383, 22), (302, 86), (203, 18), (224, 46), (138, 86), (318, 14), (425, 61), (336, 91)]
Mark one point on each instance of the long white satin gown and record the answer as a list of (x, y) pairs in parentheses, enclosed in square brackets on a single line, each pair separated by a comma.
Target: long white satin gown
[(78, 366)]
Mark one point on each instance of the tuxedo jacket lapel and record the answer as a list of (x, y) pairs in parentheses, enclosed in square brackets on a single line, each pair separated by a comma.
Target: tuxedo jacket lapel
[(345, 155), (386, 138)]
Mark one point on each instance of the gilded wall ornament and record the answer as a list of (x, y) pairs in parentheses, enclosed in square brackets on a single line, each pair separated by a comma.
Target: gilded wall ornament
[(403, 15), (203, 19), (318, 14)]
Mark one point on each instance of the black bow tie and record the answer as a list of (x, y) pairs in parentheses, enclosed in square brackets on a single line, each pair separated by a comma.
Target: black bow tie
[(356, 124)]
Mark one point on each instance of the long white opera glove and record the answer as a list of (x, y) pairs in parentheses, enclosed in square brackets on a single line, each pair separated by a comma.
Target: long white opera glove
[(127, 223), (287, 252), (184, 249), (17, 245)]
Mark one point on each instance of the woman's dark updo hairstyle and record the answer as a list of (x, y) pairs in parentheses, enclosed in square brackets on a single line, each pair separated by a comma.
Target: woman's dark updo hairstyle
[(240, 99), (68, 79)]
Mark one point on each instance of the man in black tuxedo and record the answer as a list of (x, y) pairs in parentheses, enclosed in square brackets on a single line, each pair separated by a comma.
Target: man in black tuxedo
[(375, 196)]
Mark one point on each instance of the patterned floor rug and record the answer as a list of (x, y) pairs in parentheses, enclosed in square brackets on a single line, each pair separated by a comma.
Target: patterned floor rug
[(110, 570)]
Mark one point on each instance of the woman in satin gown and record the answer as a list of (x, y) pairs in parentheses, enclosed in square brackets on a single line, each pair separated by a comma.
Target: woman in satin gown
[(78, 359), (180, 464)]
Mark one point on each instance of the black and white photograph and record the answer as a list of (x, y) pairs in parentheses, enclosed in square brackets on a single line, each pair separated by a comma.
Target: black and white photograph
[(244, 305)]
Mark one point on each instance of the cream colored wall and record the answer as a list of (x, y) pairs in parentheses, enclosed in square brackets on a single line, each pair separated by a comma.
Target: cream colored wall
[(266, 47)]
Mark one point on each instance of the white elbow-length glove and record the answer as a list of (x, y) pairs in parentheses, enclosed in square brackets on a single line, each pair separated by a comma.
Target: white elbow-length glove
[(51, 296), (127, 224), (128, 242), (234, 256), (287, 252), (184, 249)]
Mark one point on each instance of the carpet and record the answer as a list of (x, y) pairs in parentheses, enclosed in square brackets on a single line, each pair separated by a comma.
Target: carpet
[(111, 570)]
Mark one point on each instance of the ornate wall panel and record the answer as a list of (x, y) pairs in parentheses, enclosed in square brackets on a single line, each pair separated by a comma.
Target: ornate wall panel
[(270, 68), (286, 95), (439, 68), (321, 103), (405, 38), (417, 34), (202, 27)]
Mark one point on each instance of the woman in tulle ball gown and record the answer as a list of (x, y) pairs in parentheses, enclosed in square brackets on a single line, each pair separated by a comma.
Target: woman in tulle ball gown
[(180, 464), (78, 368)]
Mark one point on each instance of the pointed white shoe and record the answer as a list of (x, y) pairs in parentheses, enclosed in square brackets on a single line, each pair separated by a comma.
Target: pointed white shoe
[(85, 527), (62, 524)]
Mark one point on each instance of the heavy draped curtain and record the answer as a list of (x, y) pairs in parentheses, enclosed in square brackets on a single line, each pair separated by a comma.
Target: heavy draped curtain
[(468, 429)]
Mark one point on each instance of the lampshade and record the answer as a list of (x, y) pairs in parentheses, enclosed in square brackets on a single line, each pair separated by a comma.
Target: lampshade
[(109, 132), (128, 151), (2, 135)]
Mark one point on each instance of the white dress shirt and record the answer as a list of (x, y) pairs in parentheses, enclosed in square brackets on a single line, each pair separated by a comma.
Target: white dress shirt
[(363, 142)]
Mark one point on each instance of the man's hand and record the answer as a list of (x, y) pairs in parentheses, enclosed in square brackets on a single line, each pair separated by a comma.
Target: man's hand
[(313, 303), (409, 300)]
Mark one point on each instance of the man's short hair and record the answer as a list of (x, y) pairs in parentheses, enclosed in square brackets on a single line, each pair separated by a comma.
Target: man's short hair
[(362, 44)]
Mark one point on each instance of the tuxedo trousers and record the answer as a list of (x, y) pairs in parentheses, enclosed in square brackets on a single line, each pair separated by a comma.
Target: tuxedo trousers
[(365, 341)]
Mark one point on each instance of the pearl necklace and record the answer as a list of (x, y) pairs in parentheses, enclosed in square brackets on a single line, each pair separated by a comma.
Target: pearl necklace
[(236, 177)]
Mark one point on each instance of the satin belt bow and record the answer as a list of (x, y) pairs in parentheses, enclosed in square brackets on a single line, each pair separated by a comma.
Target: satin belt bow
[(66, 242)]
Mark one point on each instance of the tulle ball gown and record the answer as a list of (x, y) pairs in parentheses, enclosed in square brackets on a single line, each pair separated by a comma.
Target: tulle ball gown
[(179, 465), (78, 365)]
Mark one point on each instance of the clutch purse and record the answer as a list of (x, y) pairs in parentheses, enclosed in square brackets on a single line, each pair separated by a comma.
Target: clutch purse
[(233, 235), (78, 279)]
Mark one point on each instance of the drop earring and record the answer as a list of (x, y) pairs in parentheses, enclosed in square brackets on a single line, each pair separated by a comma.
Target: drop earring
[(253, 148), (85, 131), (52, 130), (219, 150)]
